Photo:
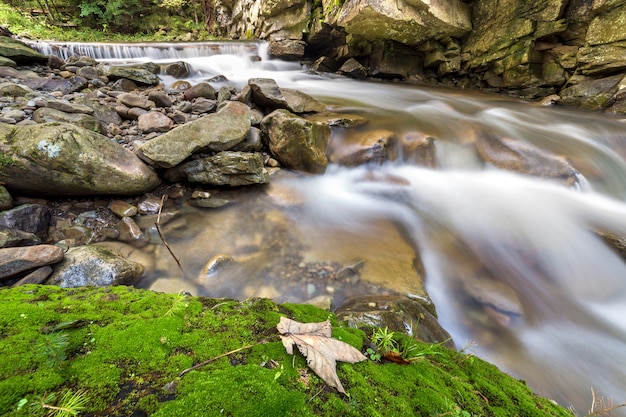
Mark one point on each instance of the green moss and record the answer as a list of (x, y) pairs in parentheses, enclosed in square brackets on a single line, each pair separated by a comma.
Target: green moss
[(127, 347)]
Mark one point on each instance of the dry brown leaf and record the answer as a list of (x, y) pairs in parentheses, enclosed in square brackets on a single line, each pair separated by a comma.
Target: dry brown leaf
[(322, 352)]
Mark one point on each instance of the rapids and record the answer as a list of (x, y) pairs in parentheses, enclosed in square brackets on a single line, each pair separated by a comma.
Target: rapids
[(530, 242)]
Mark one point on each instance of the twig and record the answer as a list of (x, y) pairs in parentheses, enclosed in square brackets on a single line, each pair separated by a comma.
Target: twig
[(201, 364), (158, 228)]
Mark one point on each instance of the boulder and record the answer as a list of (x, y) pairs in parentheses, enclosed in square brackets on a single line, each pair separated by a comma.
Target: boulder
[(6, 201), (50, 115), (297, 143), (93, 265), (63, 159), (14, 261), (19, 52), (10, 238), (267, 94), (224, 168), (289, 50), (29, 218), (214, 132), (140, 76), (594, 94)]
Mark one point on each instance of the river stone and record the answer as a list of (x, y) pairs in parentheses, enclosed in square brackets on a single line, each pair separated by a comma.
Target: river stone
[(204, 90), (419, 148), (398, 314), (10, 238), (38, 276), (19, 52), (93, 265), (138, 75), (50, 115), (214, 132), (63, 159), (122, 208), (160, 99), (14, 261), (296, 142), (266, 93), (353, 68), (68, 107), (154, 121), (61, 85), (134, 100), (6, 62), (103, 113), (6, 201), (374, 146), (299, 102), (525, 158), (30, 218), (286, 49), (224, 168), (8, 88), (178, 69)]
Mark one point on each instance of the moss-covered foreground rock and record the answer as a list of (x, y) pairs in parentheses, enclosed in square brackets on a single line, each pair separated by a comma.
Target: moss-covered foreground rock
[(126, 347)]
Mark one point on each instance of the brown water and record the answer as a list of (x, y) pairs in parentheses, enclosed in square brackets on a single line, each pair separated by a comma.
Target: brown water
[(512, 263)]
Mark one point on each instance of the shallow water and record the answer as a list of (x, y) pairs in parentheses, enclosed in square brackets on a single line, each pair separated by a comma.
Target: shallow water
[(513, 264)]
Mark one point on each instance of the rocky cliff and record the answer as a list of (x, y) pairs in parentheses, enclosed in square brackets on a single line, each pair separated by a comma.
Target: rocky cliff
[(573, 48)]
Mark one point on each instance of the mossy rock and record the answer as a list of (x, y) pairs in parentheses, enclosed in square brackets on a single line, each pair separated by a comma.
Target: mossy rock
[(126, 348)]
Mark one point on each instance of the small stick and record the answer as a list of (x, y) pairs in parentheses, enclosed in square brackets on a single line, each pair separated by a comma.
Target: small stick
[(201, 364), (158, 228)]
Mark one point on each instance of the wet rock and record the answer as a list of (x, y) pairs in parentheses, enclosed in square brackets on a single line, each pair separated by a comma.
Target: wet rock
[(375, 146), (338, 119), (204, 90), (398, 314), (149, 204), (299, 102), (419, 148), (90, 73), (14, 261), (53, 158), (266, 93), (94, 266), (50, 115), (124, 84), (288, 49), (353, 68), (594, 94), (525, 158), (252, 142), (217, 132), (216, 264), (154, 121), (19, 51), (10, 238), (30, 218), (129, 231), (224, 168), (178, 69), (8, 88), (296, 142), (122, 208)]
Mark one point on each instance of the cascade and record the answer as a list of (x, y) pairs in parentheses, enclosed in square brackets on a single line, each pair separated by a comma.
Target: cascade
[(555, 313)]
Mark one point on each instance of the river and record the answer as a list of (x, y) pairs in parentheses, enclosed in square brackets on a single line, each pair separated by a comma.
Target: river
[(513, 263)]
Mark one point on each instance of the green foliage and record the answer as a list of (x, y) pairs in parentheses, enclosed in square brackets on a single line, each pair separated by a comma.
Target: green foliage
[(53, 348), (71, 404)]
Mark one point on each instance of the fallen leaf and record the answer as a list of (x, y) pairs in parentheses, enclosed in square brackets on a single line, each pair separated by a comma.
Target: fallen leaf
[(322, 352)]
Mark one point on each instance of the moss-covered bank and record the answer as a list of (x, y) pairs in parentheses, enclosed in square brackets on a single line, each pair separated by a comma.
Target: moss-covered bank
[(126, 348)]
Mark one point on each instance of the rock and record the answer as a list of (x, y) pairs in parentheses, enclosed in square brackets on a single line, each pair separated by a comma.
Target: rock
[(296, 142), (10, 238), (63, 86), (154, 121), (267, 94), (138, 75), (69, 107), (19, 52), (30, 218), (252, 142), (6, 62), (215, 132), (374, 146), (6, 201), (14, 261), (38, 276), (8, 88), (525, 158), (50, 115), (122, 208), (419, 148), (178, 69), (134, 100), (160, 99), (203, 105), (129, 231), (104, 114), (90, 73), (53, 159), (124, 84), (93, 265), (224, 168), (406, 21), (353, 68), (594, 94), (299, 102), (204, 90), (398, 314), (287, 49)]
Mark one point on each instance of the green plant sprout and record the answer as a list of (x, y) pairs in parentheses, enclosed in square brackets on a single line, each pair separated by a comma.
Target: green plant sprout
[(71, 404), (53, 347)]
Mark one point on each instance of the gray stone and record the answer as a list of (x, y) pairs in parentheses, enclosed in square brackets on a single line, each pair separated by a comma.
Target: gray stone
[(14, 261), (154, 121), (10, 238), (19, 52), (216, 132), (138, 75), (160, 99), (204, 90), (38, 276), (94, 266), (30, 218), (134, 100), (266, 93), (353, 68), (49, 115), (6, 201)]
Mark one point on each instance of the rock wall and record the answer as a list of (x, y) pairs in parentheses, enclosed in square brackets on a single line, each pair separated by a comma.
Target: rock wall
[(527, 48)]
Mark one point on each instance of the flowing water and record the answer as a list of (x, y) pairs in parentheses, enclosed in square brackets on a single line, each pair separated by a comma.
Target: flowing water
[(514, 264)]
